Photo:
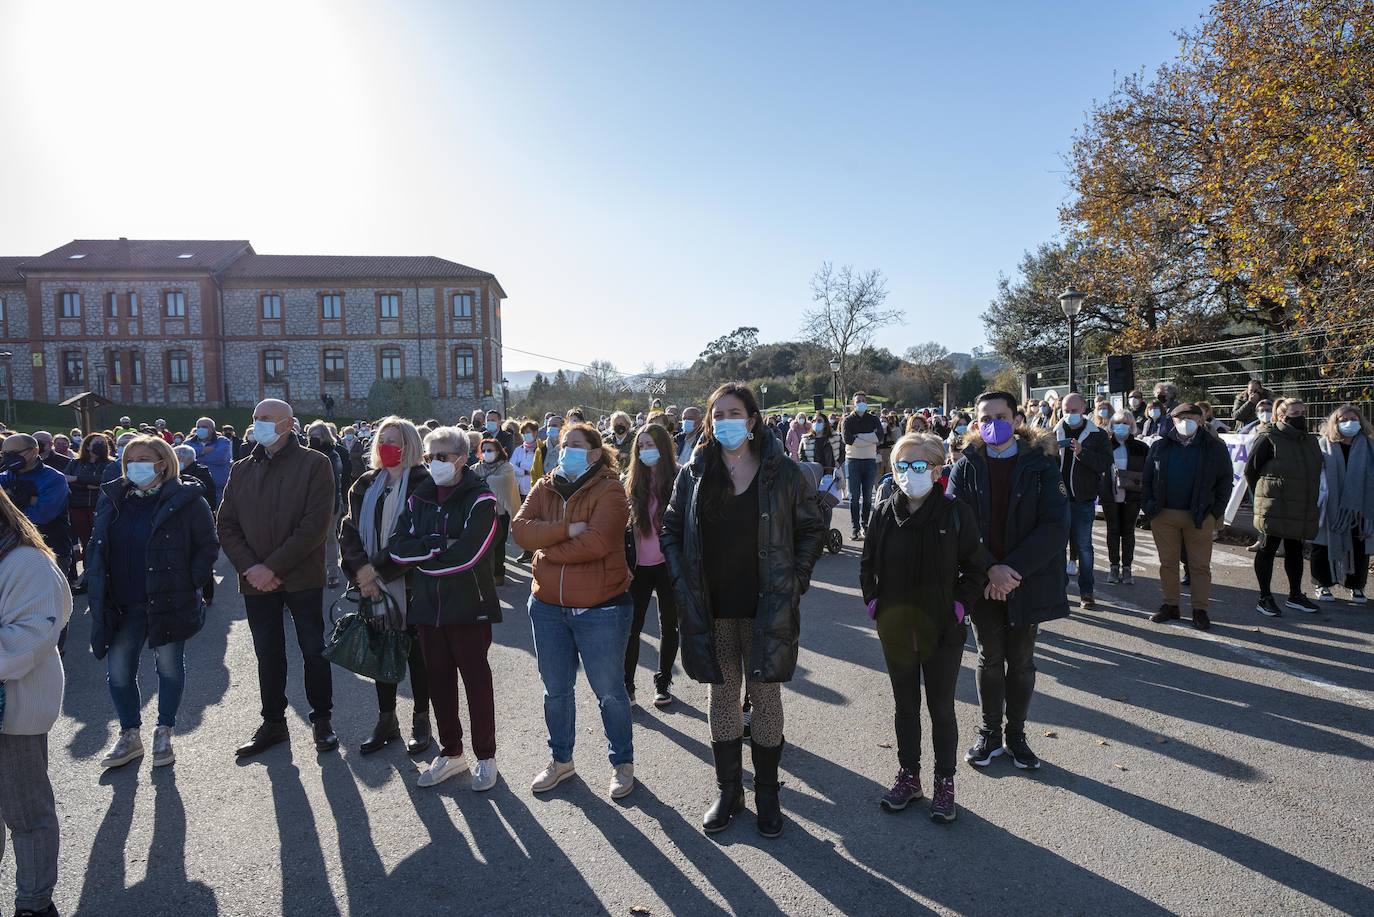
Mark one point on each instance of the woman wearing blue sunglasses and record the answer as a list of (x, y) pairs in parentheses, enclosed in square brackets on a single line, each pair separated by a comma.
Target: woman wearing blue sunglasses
[(923, 564)]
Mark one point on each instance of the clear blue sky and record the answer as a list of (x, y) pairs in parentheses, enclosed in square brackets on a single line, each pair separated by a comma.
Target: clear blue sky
[(641, 176)]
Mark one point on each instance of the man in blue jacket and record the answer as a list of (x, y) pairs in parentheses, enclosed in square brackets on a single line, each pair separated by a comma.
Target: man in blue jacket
[(1012, 480), (41, 492)]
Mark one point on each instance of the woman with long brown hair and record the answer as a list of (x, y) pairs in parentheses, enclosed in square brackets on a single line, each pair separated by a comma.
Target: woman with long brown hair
[(740, 537), (649, 487)]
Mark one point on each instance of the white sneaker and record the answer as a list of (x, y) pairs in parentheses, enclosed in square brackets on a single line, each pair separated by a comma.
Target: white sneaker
[(484, 775), (442, 768), (622, 780), (162, 746), (553, 774), (1071, 569), (1324, 595), (127, 747)]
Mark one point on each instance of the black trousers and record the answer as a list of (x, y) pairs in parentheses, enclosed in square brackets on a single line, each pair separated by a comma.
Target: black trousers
[(1292, 563), (498, 553), (1356, 578), (1121, 531), (648, 581), (268, 626), (419, 684), (1006, 667), (941, 672)]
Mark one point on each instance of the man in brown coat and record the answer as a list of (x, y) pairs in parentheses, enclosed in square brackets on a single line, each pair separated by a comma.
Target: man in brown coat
[(274, 515)]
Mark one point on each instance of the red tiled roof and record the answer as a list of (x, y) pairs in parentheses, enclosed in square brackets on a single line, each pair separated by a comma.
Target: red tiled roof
[(140, 255), (8, 269), (351, 267)]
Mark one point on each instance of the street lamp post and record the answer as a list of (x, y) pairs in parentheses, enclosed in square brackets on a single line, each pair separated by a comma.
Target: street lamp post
[(100, 377), (835, 381), (1071, 301), (764, 389), (505, 392)]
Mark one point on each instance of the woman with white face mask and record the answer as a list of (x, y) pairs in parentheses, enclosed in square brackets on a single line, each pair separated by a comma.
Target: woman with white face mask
[(149, 521), (922, 565), (1340, 552), (494, 467)]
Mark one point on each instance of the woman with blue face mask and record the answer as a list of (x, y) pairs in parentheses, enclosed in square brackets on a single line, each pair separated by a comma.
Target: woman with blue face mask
[(740, 537), (147, 520), (816, 445), (649, 487), (1120, 496)]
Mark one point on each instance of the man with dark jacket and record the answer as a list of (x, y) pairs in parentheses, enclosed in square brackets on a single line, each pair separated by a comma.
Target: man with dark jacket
[(686, 438), (1011, 479), (1246, 408), (861, 431), (40, 492), (273, 519), (48, 455), (1183, 495), (1085, 454)]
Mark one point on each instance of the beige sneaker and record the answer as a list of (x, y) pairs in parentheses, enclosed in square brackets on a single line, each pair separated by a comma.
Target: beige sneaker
[(163, 754), (622, 780), (127, 747), (552, 775)]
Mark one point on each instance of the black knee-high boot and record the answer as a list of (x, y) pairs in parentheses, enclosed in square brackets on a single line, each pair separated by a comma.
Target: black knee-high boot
[(766, 785), (730, 780)]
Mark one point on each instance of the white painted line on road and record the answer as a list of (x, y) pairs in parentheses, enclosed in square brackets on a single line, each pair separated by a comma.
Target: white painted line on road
[(1354, 695)]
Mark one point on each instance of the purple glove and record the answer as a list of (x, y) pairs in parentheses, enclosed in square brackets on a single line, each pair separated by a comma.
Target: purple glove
[(959, 612), (873, 610)]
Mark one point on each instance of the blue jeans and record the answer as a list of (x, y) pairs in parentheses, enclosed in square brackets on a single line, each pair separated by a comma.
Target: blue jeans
[(1081, 514), (597, 637), (863, 474), (122, 671)]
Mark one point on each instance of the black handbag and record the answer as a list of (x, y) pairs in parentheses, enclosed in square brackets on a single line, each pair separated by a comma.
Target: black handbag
[(371, 641)]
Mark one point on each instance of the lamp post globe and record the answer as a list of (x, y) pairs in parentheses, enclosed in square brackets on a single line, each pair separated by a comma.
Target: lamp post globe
[(763, 389)]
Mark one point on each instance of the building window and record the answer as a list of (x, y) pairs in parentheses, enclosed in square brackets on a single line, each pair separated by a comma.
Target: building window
[(73, 367), (178, 367), (391, 363), (273, 367), (331, 307), (176, 304), (463, 364), (333, 366), (389, 305), (133, 304), (462, 305), (112, 299), (115, 367), (136, 367), (2, 309), (71, 305), (271, 307)]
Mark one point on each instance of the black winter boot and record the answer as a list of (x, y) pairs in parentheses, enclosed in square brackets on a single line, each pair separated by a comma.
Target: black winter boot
[(420, 733), (387, 729), (730, 780), (766, 785)]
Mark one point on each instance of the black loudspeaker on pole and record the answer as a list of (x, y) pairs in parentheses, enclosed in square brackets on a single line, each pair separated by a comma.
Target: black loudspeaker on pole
[(1120, 373)]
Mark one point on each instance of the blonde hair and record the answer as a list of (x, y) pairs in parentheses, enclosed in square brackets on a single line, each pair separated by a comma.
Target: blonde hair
[(1126, 417), (928, 447), (166, 454), (1331, 429), (28, 533), (410, 442), (1283, 404)]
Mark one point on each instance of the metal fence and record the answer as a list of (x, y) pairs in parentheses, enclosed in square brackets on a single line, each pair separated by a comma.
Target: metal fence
[(1325, 368)]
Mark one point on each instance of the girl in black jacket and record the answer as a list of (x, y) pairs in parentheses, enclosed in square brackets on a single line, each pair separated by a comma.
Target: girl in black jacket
[(923, 565), (740, 537), (1120, 496), (148, 521)]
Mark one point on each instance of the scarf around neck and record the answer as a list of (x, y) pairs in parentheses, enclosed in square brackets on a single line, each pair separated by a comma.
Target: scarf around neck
[(373, 538)]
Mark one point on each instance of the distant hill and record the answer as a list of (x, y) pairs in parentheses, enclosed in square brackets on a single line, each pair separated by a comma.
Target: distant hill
[(988, 363)]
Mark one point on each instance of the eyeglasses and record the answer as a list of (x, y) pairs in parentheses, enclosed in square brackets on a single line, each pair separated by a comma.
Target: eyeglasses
[(918, 467)]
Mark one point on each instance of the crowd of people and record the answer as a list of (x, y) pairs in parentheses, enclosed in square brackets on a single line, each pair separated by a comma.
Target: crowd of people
[(977, 518)]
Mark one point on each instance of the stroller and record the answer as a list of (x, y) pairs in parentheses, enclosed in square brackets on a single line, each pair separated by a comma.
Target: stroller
[(827, 497)]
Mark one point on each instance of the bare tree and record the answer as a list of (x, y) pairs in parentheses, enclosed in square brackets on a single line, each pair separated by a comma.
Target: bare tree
[(929, 365), (603, 382), (849, 311)]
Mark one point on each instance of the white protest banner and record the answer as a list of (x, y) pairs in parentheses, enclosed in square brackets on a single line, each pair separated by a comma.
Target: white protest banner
[(1239, 445)]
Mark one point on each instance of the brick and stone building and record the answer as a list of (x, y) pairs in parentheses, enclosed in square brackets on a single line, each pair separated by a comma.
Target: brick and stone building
[(214, 323)]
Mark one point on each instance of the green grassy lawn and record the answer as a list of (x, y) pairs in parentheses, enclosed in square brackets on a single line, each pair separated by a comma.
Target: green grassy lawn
[(34, 415)]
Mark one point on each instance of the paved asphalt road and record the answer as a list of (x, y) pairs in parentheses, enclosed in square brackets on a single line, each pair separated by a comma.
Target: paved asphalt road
[(1227, 772)]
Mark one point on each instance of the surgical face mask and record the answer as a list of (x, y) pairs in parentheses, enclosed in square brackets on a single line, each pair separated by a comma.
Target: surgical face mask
[(1122, 430), (142, 473), (1265, 416), (1073, 420), (1105, 415), (915, 484), (1187, 427), (689, 425), (995, 432), (491, 426), (176, 440), (861, 407), (961, 429), (553, 434), (732, 432), (1349, 427), (649, 457), (817, 427), (1155, 413), (203, 432), (389, 455), (489, 457), (349, 439), (265, 432), (1136, 402), (527, 436), (443, 473), (572, 463)]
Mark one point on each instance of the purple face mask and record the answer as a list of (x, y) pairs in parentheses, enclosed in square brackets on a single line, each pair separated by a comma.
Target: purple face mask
[(995, 432)]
